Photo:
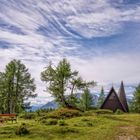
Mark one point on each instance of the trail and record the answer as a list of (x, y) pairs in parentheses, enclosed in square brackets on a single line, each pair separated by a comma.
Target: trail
[(127, 133)]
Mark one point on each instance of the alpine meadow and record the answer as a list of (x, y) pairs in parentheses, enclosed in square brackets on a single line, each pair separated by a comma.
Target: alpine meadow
[(70, 70)]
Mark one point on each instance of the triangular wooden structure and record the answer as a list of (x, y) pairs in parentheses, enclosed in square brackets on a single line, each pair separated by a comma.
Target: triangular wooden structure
[(113, 102), (122, 96)]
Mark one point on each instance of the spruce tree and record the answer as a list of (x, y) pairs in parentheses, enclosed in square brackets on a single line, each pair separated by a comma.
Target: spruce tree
[(135, 105), (16, 86), (86, 100), (101, 98)]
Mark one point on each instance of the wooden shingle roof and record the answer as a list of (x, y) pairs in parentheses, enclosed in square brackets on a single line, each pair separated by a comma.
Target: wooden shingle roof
[(113, 102), (122, 96)]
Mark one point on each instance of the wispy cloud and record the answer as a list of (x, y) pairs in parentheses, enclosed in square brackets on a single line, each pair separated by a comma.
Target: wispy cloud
[(100, 38)]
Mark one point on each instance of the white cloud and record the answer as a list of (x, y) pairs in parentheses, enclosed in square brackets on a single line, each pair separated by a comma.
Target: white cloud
[(110, 68), (51, 29), (105, 22)]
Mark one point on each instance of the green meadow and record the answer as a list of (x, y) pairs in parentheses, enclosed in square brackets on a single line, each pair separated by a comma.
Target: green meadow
[(88, 126)]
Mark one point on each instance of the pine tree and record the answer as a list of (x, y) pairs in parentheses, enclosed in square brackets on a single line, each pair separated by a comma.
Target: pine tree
[(101, 98), (62, 83), (2, 92), (135, 105), (86, 100), (16, 86)]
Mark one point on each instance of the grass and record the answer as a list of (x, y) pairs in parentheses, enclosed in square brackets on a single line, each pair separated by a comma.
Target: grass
[(95, 127)]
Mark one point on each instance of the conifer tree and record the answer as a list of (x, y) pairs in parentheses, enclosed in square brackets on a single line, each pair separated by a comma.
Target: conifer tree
[(135, 105), (63, 83), (16, 86), (101, 98), (86, 100)]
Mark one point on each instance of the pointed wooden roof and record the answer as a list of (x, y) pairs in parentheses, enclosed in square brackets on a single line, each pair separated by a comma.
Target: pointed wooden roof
[(113, 102), (122, 96)]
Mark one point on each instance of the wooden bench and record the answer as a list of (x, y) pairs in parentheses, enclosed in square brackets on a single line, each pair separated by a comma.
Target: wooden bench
[(8, 117)]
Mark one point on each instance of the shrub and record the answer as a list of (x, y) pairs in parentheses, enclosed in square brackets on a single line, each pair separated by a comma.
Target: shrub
[(50, 122), (64, 130), (103, 111), (64, 113), (28, 115), (118, 111), (22, 130), (89, 124), (89, 113), (42, 118), (85, 120), (41, 112), (62, 123), (76, 124)]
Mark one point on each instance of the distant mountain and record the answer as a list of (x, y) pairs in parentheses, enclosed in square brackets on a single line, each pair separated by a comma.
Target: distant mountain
[(48, 105), (95, 99), (51, 104), (34, 107)]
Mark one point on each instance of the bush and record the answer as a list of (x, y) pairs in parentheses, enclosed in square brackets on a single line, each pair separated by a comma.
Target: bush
[(118, 111), (103, 111), (85, 120), (89, 124), (28, 116), (22, 130), (50, 122), (62, 123), (89, 113), (41, 112), (42, 118), (63, 113), (64, 130)]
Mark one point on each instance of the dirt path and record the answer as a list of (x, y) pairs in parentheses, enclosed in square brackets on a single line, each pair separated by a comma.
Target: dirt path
[(131, 137), (127, 133)]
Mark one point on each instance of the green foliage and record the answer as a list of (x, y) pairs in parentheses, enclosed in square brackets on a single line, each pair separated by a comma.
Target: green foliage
[(28, 115), (85, 119), (63, 113), (65, 130), (49, 121), (22, 130), (118, 111), (61, 80), (86, 100), (135, 104), (42, 112), (103, 111), (101, 98), (62, 123), (89, 124), (73, 101), (16, 86), (93, 127)]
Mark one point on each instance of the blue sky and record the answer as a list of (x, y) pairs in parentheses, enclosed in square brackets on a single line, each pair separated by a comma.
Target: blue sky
[(100, 38)]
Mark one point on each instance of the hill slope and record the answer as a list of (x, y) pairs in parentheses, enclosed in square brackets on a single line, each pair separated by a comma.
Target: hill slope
[(95, 127)]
